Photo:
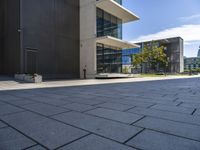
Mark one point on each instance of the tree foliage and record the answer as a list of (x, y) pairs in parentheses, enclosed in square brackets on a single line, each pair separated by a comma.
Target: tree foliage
[(152, 55)]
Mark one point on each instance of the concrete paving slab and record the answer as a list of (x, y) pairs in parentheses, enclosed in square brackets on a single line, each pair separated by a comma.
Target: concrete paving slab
[(112, 130), (123, 117), (151, 140), (171, 127), (133, 102), (9, 109), (197, 112), (115, 106), (86, 101), (2, 125), (54, 95), (45, 109), (51, 101), (21, 102), (154, 101), (184, 118), (173, 109), (8, 98), (22, 94), (190, 105), (79, 107), (10, 139), (47, 132), (2, 103), (93, 142), (37, 147), (174, 94)]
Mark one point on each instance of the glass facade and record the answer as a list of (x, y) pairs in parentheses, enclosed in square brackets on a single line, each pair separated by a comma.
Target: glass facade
[(192, 63), (108, 25), (127, 55), (118, 1), (109, 59)]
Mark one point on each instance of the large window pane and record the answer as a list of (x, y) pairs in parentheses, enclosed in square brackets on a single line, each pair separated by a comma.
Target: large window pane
[(108, 25), (109, 59)]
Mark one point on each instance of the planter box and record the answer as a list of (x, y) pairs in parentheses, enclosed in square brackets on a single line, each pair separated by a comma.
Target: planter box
[(19, 77), (29, 78)]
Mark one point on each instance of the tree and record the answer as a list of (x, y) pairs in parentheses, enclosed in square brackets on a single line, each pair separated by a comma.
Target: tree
[(159, 57), (125, 70), (138, 60), (153, 56)]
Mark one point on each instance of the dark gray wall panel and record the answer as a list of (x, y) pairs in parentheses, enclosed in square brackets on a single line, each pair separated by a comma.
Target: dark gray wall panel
[(50, 29), (11, 52), (1, 33)]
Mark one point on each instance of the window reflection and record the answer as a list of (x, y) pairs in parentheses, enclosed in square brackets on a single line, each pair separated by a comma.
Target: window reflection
[(109, 59), (108, 25)]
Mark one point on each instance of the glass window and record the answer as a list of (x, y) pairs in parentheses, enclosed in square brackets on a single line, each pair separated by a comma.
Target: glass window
[(108, 25), (109, 59), (118, 1)]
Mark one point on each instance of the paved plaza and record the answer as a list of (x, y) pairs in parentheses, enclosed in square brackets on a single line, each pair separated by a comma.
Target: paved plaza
[(142, 115)]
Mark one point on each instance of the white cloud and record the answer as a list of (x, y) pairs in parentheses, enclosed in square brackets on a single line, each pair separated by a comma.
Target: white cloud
[(189, 18), (190, 33), (192, 43)]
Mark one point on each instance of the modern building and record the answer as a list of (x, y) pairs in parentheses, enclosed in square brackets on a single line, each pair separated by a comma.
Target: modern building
[(101, 36), (198, 55), (61, 38), (191, 63), (173, 49)]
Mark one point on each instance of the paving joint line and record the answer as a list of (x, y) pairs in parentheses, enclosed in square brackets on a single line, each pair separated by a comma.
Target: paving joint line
[(152, 105), (73, 141), (194, 111), (138, 120), (85, 112), (134, 136), (179, 104), (35, 141), (91, 132), (175, 99), (169, 134), (111, 119), (126, 110), (30, 146)]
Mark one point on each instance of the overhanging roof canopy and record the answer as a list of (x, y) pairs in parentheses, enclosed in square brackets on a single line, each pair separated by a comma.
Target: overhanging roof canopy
[(111, 41), (117, 10)]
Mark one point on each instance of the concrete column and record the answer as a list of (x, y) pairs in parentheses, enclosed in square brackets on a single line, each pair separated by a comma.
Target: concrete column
[(88, 38), (181, 55)]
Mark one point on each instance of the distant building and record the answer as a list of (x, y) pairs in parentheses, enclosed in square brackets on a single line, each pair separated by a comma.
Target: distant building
[(192, 63), (173, 49), (198, 55)]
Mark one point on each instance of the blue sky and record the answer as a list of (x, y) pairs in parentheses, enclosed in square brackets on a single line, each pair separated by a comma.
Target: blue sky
[(165, 18)]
